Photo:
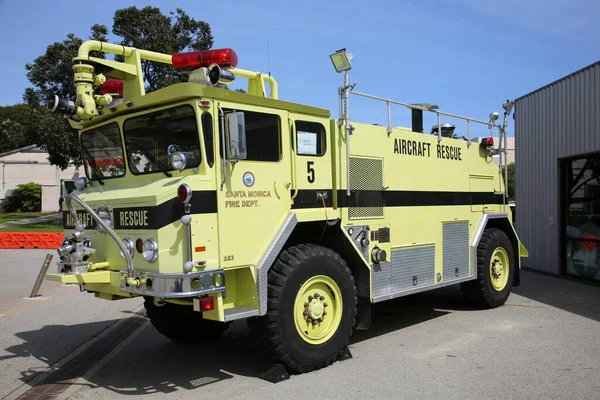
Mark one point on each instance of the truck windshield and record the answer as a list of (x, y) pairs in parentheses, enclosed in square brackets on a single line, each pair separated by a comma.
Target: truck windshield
[(103, 152), (151, 138)]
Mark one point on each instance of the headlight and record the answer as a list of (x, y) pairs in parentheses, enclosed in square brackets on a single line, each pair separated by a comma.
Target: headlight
[(178, 161), (129, 246), (150, 250)]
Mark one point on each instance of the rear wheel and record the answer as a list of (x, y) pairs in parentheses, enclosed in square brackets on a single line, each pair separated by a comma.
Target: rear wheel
[(182, 324), (495, 270), (311, 308)]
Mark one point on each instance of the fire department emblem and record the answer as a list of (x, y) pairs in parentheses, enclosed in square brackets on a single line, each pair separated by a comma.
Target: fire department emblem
[(248, 179)]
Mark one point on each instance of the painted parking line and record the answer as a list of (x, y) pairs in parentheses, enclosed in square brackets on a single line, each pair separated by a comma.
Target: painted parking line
[(34, 302)]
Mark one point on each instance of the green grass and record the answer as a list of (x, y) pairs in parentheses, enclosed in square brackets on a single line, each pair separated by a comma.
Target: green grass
[(18, 216), (48, 226)]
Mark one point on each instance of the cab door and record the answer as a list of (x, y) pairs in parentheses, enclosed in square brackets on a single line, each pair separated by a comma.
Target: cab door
[(312, 163), (254, 198)]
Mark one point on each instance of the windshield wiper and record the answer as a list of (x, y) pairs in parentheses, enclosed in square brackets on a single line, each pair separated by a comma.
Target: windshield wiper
[(90, 159), (161, 167)]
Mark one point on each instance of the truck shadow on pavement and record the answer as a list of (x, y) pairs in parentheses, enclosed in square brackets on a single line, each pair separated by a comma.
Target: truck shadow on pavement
[(151, 363), (543, 291)]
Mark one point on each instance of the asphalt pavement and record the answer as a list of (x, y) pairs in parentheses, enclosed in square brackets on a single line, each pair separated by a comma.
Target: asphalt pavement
[(543, 344)]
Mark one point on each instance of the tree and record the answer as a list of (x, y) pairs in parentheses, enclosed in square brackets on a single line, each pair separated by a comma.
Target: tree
[(52, 132), (150, 29), (52, 74), (26, 197), (511, 180), (13, 127)]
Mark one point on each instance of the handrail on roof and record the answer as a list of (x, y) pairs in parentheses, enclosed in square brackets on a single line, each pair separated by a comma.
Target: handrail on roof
[(432, 110)]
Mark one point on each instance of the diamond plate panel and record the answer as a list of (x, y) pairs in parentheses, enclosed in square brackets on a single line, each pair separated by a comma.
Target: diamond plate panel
[(410, 268), (231, 314), (455, 250), (366, 186), (267, 260), (381, 279), (473, 261)]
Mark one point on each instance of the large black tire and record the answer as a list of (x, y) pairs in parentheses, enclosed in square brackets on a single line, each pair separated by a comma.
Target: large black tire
[(293, 268), (481, 292), (182, 324)]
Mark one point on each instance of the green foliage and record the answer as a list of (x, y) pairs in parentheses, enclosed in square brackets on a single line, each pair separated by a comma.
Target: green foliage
[(52, 74), (511, 180), (148, 28), (13, 127), (26, 197)]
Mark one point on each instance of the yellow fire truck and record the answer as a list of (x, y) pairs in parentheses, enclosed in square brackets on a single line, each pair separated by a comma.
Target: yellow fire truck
[(217, 205)]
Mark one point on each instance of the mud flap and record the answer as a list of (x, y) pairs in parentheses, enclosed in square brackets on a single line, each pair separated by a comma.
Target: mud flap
[(363, 314)]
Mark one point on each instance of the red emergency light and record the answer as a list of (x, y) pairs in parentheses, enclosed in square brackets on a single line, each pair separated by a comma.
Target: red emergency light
[(487, 141), (114, 87), (224, 58)]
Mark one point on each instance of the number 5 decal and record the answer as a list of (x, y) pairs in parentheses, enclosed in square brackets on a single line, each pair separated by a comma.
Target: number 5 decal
[(311, 171)]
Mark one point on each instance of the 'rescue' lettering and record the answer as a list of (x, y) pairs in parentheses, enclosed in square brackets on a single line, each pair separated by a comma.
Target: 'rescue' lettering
[(449, 152), (136, 219)]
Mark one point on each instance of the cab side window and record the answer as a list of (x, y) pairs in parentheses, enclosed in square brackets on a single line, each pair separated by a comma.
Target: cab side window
[(263, 136), (207, 131), (310, 139)]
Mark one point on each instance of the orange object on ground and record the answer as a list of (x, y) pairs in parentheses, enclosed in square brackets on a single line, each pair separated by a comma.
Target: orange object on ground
[(30, 240)]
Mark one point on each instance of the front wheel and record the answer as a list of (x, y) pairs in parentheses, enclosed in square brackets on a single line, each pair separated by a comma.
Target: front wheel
[(182, 324), (495, 270), (311, 307)]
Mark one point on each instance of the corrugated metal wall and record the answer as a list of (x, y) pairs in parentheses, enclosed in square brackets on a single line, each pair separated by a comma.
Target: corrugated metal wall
[(557, 121)]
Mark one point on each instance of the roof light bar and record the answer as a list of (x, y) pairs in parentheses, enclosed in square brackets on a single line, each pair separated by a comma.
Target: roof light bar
[(224, 58), (114, 87)]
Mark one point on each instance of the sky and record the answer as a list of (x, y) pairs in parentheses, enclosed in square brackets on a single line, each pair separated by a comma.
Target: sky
[(466, 56)]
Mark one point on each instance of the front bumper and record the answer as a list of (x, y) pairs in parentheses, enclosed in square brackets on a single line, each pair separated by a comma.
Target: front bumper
[(167, 286)]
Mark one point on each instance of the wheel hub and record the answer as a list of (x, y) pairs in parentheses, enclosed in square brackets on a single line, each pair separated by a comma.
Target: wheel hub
[(314, 309), (497, 268), (318, 309)]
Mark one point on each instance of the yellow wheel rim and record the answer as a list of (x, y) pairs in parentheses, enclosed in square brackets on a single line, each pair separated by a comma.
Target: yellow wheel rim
[(499, 269), (318, 309)]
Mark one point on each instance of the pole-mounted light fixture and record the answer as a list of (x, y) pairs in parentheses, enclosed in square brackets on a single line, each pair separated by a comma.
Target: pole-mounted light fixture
[(341, 60)]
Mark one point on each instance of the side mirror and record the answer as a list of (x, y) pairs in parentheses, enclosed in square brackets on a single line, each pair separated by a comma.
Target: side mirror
[(236, 136)]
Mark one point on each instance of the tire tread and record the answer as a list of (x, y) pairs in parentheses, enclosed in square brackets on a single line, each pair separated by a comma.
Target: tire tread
[(279, 273), (477, 291)]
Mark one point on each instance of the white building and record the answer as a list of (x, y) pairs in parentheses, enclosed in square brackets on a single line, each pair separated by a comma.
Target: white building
[(30, 164)]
